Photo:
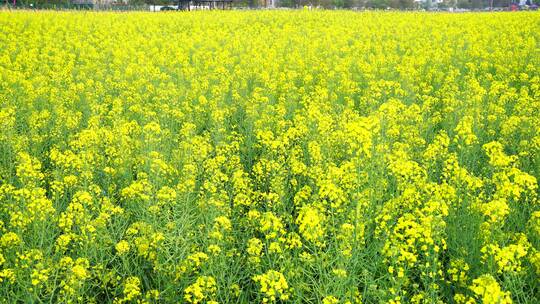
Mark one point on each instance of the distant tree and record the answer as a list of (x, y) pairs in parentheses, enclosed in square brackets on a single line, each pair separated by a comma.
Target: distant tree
[(464, 3), (448, 4), (501, 3), (477, 4), (287, 3), (325, 3), (139, 2), (380, 4), (241, 3), (361, 3), (352, 3), (402, 4)]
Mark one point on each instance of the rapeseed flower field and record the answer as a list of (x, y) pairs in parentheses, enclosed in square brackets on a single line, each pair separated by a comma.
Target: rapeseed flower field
[(269, 157)]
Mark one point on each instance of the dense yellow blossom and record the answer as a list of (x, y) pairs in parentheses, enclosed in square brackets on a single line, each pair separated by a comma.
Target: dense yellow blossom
[(132, 289), (488, 291), (254, 249), (202, 290), (273, 286), (311, 224), (122, 247), (299, 156), (330, 300)]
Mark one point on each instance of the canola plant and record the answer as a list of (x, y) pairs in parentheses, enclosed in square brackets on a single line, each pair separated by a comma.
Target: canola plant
[(269, 157)]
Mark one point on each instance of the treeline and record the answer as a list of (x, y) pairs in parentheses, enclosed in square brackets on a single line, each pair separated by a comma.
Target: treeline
[(381, 4), (329, 4), (373, 4)]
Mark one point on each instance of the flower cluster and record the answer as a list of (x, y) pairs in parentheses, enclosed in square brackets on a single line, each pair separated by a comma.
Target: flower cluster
[(299, 156), (273, 286)]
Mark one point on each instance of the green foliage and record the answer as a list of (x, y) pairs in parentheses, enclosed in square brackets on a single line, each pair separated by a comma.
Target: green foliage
[(269, 157)]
